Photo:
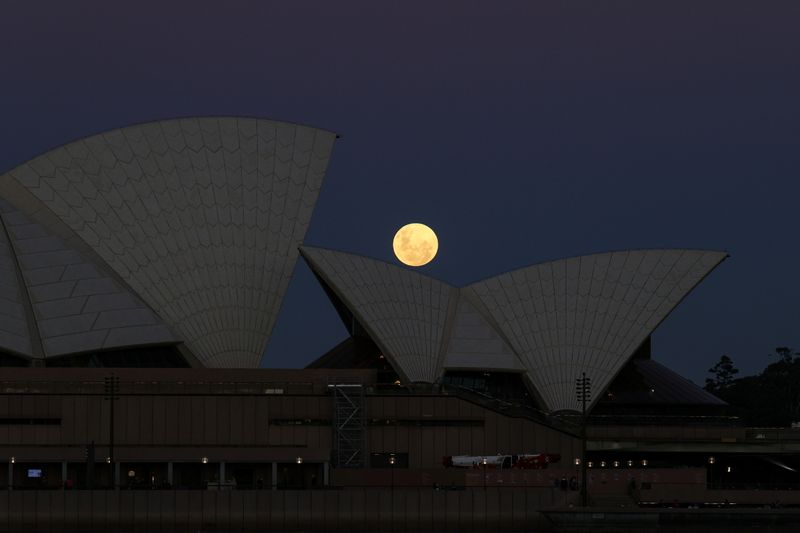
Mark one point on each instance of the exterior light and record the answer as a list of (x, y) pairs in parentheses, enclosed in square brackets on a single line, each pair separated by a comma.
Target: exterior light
[(204, 460), (616, 464), (299, 460), (729, 470), (108, 460), (644, 462), (391, 460), (630, 463), (13, 460), (602, 464), (711, 460), (483, 461), (131, 473), (577, 461), (589, 464)]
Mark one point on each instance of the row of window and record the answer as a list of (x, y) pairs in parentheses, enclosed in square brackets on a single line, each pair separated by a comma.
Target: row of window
[(405, 422), (29, 421)]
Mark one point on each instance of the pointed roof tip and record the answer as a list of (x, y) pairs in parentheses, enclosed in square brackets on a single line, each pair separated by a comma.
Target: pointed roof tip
[(163, 120), (724, 255), (307, 251)]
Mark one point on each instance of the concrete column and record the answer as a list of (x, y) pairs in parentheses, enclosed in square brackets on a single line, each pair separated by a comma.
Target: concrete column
[(222, 471), (116, 475), (63, 473), (326, 472), (10, 475), (169, 473), (274, 476)]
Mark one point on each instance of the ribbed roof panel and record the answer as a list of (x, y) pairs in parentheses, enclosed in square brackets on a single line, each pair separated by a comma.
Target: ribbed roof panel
[(588, 314), (15, 333), (200, 217), (404, 311), (77, 306)]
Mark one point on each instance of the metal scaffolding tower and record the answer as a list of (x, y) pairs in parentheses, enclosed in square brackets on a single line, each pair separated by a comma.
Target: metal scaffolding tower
[(348, 425)]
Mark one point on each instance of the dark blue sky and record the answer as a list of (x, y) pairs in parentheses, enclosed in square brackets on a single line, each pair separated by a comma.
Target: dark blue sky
[(520, 131)]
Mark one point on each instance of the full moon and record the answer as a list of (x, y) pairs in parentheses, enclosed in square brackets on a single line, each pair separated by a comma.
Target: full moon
[(415, 244)]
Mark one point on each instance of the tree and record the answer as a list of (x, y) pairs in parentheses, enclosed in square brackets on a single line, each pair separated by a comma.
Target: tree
[(785, 354), (724, 372), (769, 399)]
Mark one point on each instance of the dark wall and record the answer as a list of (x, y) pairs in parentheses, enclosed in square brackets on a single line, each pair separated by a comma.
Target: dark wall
[(173, 420)]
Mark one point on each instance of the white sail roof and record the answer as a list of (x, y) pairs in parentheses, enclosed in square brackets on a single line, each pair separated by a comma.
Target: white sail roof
[(76, 305), (588, 314), (551, 321), (15, 332), (200, 218), (404, 311)]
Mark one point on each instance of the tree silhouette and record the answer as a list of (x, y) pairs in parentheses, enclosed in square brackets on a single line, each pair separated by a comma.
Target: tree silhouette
[(769, 399), (724, 372), (785, 354)]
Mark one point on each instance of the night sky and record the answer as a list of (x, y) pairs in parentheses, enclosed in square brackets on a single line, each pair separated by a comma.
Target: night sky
[(520, 131)]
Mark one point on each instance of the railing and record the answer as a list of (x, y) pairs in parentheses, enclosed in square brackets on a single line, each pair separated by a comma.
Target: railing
[(165, 388), (510, 409)]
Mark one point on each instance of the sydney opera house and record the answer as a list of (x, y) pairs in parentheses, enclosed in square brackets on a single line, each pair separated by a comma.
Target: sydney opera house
[(142, 273)]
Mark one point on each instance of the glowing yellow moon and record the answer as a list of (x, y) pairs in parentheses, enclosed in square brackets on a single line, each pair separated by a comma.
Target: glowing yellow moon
[(415, 244)]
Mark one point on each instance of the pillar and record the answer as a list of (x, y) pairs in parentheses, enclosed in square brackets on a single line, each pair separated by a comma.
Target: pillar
[(274, 476), (222, 472), (63, 473), (326, 469), (169, 473), (10, 475), (116, 475)]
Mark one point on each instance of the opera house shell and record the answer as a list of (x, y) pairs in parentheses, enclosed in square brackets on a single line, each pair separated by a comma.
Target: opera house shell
[(550, 322), (179, 236)]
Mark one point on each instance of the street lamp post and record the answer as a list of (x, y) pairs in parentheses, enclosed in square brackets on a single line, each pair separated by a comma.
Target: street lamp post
[(711, 461), (112, 394), (391, 466), (583, 392)]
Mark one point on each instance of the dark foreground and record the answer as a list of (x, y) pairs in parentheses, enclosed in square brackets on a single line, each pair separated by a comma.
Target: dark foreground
[(356, 510)]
